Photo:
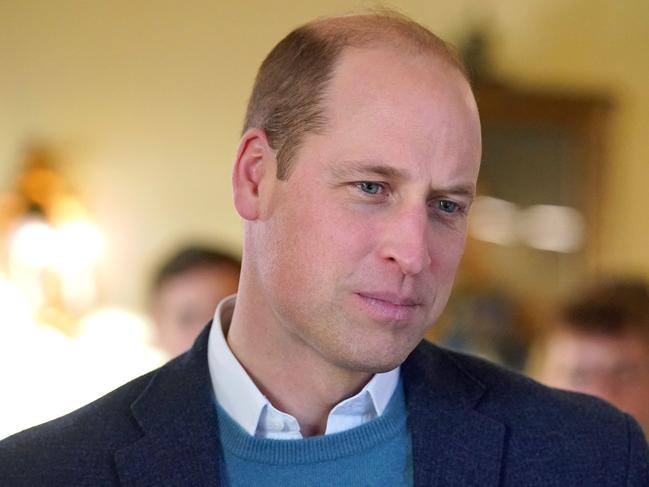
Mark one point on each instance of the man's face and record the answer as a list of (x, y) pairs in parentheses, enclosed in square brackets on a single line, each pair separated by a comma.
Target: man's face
[(185, 303), (615, 368), (357, 251)]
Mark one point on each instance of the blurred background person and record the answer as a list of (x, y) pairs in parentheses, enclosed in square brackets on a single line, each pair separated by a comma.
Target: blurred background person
[(185, 292), (599, 345)]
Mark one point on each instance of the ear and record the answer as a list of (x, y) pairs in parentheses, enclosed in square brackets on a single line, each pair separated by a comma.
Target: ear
[(255, 158)]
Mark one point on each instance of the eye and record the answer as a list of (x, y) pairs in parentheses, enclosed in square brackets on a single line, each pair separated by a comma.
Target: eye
[(448, 206), (370, 187)]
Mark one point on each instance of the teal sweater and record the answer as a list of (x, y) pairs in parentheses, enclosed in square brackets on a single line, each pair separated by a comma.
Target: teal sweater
[(378, 453)]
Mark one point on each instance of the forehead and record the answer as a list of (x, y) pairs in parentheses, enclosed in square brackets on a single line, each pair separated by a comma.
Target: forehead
[(383, 104), (383, 68), (584, 348)]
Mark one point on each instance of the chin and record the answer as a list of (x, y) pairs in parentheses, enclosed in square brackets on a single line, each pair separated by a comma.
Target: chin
[(373, 362)]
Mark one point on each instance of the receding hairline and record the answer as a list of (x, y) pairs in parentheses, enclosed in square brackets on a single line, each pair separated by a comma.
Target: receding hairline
[(288, 100), (385, 28)]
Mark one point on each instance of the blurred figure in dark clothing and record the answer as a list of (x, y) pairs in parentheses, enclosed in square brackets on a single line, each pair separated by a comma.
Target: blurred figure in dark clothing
[(185, 292), (600, 345)]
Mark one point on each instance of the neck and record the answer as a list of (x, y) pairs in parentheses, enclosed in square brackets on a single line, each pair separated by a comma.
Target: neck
[(290, 373)]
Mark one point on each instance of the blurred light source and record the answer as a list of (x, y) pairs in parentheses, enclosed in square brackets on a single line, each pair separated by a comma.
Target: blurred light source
[(551, 227), (544, 227), (52, 245), (106, 334), (79, 245), (32, 244), (57, 351), (14, 308), (47, 373), (493, 220)]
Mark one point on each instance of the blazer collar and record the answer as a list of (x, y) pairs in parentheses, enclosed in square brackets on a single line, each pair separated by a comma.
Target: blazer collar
[(452, 442), (177, 416)]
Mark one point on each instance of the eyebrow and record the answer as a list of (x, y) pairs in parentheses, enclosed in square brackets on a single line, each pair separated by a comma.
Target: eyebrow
[(460, 190), (358, 168), (347, 169)]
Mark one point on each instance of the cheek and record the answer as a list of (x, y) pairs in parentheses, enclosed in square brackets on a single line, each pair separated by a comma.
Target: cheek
[(298, 244), (446, 249), (332, 235)]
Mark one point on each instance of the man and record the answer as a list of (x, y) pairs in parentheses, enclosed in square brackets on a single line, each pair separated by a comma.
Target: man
[(600, 346), (185, 291), (354, 174)]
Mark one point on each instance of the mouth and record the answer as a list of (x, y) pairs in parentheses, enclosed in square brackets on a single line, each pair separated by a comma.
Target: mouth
[(388, 306)]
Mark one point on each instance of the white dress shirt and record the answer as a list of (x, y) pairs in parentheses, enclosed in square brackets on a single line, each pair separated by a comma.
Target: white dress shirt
[(238, 395)]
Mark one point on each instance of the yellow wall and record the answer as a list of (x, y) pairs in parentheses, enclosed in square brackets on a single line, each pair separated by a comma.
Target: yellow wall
[(146, 99)]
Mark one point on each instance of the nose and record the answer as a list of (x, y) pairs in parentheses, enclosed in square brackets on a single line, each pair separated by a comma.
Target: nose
[(405, 240)]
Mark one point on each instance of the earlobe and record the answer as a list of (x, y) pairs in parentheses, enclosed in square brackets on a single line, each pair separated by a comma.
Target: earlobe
[(253, 157)]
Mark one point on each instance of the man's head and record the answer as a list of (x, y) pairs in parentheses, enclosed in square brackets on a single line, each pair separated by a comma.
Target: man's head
[(288, 99), (185, 292), (600, 345), (356, 192)]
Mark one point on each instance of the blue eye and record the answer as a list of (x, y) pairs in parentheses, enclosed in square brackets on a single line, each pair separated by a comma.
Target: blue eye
[(448, 206), (369, 187)]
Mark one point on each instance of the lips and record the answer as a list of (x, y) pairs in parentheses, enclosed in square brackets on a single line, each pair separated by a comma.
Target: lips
[(388, 306)]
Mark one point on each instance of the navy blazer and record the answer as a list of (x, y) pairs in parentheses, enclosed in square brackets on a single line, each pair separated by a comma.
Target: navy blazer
[(471, 424)]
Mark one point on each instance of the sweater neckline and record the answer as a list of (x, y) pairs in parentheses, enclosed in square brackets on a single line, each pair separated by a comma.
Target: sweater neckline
[(238, 442)]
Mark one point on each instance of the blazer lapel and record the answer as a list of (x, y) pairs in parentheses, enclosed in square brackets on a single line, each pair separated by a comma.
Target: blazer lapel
[(452, 443), (176, 414)]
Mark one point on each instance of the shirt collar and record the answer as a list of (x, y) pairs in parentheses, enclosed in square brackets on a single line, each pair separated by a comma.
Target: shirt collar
[(234, 389), (238, 395)]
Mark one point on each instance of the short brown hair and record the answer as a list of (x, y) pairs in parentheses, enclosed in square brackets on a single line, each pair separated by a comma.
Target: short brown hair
[(611, 307), (287, 98), (191, 258)]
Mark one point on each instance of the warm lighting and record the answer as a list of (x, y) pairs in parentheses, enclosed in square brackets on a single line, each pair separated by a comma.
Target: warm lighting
[(48, 373), (32, 245), (53, 247), (493, 220), (58, 351), (551, 227), (116, 344), (545, 227), (14, 307), (79, 244)]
